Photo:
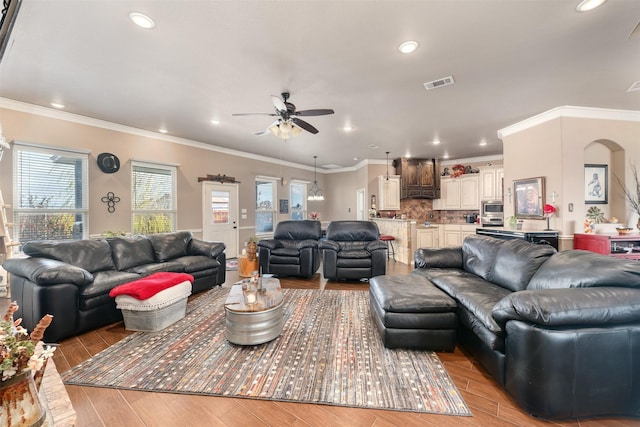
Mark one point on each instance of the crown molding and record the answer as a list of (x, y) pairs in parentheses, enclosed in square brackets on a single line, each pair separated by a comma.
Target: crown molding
[(51, 113), (570, 111)]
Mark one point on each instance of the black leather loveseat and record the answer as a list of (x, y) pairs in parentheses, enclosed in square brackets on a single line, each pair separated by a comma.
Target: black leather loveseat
[(559, 331), (71, 279)]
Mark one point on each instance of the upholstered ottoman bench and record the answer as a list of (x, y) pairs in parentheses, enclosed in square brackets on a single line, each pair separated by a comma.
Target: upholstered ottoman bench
[(411, 312), (153, 302)]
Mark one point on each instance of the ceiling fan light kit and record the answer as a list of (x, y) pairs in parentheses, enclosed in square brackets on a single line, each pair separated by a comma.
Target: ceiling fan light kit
[(288, 124)]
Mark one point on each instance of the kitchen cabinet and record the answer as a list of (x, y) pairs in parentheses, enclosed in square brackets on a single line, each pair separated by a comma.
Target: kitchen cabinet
[(388, 193), (491, 183), (459, 193), (454, 234), (427, 238), (419, 178)]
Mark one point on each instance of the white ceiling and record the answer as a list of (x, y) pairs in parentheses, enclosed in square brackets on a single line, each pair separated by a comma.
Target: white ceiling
[(204, 60)]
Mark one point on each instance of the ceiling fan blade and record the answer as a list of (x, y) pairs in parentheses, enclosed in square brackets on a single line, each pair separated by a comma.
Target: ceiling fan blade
[(254, 114), (317, 112), (279, 104), (267, 131), (304, 125)]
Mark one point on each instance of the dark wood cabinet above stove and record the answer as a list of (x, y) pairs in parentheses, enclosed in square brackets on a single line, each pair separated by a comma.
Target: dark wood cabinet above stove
[(419, 178)]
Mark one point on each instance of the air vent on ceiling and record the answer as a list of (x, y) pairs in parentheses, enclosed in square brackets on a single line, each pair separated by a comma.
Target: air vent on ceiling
[(445, 81), (634, 86)]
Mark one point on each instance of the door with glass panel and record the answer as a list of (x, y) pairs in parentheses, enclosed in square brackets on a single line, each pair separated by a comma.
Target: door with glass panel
[(220, 215)]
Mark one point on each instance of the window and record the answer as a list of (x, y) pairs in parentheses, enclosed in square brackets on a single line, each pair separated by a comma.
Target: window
[(153, 198), (50, 193), (298, 197), (265, 205)]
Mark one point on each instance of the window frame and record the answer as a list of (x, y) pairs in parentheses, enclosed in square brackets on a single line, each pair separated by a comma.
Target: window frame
[(171, 212), (273, 210), (81, 179), (303, 186)]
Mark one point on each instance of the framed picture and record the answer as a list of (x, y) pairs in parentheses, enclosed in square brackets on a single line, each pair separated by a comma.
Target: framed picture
[(529, 198), (596, 184)]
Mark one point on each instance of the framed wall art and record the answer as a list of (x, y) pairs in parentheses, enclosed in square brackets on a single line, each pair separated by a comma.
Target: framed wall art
[(596, 184), (529, 198)]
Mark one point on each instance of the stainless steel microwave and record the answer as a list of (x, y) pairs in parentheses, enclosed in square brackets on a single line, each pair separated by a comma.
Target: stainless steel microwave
[(492, 212)]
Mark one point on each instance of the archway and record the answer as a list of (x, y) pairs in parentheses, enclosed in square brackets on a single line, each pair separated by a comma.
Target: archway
[(610, 154)]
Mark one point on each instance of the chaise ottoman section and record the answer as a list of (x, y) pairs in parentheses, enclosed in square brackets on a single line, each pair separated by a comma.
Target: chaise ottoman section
[(154, 302), (411, 312)]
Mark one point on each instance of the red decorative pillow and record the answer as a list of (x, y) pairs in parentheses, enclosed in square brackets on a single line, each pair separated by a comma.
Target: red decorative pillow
[(149, 286)]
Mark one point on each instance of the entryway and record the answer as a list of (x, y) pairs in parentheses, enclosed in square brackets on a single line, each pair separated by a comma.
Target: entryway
[(220, 215)]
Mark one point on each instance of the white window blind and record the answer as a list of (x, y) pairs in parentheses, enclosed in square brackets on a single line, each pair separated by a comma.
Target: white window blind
[(153, 198), (50, 193)]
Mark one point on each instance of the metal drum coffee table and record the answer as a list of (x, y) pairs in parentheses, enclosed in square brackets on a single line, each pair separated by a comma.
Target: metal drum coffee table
[(251, 324)]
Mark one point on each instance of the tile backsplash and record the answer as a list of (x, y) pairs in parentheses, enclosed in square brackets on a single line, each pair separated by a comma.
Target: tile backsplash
[(422, 210)]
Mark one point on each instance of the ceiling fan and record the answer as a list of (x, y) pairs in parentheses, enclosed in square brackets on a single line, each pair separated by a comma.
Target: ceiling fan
[(288, 124)]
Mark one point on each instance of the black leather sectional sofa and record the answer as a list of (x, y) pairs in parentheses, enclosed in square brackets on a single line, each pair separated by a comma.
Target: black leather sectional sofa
[(71, 279), (559, 331)]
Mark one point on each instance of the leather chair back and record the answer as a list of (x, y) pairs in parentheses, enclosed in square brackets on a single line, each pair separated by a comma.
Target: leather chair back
[(353, 231), (298, 230)]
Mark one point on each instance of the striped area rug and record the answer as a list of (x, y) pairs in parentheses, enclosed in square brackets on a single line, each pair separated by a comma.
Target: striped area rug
[(329, 353)]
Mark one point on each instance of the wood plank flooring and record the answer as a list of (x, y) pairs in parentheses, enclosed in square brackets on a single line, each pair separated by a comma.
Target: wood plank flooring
[(107, 407)]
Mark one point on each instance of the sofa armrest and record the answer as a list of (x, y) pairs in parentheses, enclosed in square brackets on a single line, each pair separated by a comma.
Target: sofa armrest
[(307, 243), (270, 244), (376, 245), (202, 247), (573, 306), (329, 244), (438, 258), (44, 271)]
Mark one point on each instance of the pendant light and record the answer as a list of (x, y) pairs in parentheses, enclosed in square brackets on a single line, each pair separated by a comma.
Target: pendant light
[(315, 193), (387, 175)]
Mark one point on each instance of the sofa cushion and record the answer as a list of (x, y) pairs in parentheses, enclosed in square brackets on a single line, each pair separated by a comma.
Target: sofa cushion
[(479, 254), (474, 294), (516, 262), (156, 267), (128, 252), (104, 281), (583, 269), (91, 255), (45, 271), (194, 263), (167, 246)]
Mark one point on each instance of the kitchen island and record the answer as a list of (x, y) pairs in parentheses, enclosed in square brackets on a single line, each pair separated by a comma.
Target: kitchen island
[(404, 231)]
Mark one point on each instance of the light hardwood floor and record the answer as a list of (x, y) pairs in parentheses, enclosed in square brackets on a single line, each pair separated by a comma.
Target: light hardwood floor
[(107, 407)]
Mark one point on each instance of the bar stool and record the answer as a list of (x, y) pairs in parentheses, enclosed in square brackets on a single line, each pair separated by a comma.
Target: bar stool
[(389, 239)]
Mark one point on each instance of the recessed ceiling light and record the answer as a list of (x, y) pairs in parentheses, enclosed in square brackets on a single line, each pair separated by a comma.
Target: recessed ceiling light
[(483, 143), (408, 46), (373, 146), (436, 141), (445, 156), (141, 20), (356, 158), (215, 122), (408, 155), (163, 131), (56, 105), (587, 5), (347, 128)]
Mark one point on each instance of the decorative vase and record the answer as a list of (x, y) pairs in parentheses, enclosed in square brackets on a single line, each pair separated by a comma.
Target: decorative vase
[(252, 249), (20, 403)]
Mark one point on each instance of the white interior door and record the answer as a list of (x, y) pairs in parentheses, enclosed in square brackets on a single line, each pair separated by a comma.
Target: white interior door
[(220, 215), (360, 205)]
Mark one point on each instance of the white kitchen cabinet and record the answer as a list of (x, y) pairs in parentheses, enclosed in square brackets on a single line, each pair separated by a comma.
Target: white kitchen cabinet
[(454, 234), (491, 183), (389, 193), (459, 193), (427, 238)]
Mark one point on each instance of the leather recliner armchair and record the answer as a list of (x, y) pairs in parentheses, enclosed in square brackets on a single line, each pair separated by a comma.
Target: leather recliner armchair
[(293, 251), (353, 251)]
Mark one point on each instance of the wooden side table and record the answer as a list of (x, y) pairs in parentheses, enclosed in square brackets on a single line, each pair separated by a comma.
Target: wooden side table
[(247, 265)]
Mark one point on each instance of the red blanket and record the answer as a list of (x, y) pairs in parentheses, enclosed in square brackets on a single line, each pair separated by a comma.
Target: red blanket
[(149, 286)]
